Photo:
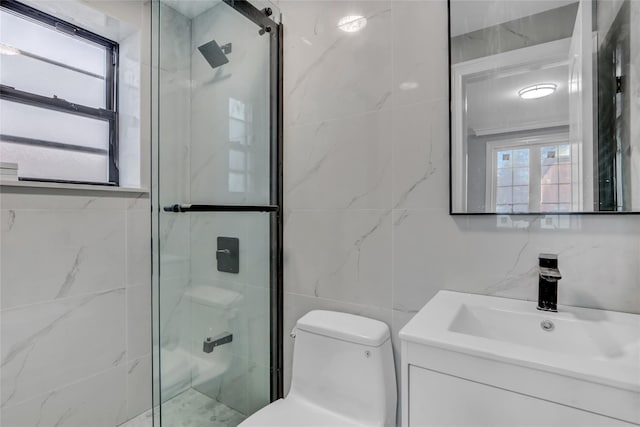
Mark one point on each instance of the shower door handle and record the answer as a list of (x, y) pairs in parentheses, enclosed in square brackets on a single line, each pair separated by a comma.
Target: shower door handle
[(177, 208)]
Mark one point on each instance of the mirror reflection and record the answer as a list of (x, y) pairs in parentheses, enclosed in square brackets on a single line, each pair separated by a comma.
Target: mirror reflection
[(545, 106)]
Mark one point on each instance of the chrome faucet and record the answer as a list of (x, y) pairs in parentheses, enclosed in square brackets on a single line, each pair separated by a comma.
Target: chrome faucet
[(548, 276)]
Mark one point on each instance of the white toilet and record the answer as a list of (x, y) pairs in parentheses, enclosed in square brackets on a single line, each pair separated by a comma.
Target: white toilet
[(343, 375)]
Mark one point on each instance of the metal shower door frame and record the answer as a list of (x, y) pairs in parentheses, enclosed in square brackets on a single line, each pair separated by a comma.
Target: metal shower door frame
[(274, 30)]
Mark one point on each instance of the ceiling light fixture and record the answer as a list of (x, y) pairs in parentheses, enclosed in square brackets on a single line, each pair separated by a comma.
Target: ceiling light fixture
[(537, 91), (352, 23)]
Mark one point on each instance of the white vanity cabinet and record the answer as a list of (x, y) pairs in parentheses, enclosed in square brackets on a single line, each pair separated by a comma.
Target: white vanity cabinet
[(451, 377), (437, 399)]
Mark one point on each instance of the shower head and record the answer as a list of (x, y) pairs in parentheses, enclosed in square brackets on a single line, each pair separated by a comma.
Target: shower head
[(214, 54)]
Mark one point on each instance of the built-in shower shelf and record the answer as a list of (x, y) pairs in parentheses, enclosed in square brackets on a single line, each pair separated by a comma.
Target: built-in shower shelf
[(213, 296)]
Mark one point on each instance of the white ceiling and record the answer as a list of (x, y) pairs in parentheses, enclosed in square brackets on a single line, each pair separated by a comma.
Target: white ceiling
[(493, 105), (472, 15), (191, 8)]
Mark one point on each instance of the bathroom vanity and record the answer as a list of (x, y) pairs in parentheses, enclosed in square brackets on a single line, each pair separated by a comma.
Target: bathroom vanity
[(479, 360)]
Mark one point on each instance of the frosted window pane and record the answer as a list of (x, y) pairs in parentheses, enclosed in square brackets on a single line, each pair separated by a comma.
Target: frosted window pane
[(39, 123), (521, 176), (549, 193), (520, 194), (521, 157), (504, 177), (504, 195), (50, 163), (564, 173), (236, 160), (237, 131), (44, 41), (522, 208), (549, 207), (28, 75), (564, 193), (549, 174), (236, 183), (236, 109)]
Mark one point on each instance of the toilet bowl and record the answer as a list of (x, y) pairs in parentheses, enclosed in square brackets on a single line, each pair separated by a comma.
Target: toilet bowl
[(343, 375)]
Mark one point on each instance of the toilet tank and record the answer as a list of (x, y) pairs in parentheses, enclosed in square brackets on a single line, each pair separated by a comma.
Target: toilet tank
[(344, 363)]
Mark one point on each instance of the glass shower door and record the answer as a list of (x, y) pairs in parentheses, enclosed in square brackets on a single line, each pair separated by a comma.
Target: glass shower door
[(218, 205)]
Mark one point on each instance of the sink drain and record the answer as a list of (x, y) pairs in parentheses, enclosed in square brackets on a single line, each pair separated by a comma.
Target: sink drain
[(547, 325)]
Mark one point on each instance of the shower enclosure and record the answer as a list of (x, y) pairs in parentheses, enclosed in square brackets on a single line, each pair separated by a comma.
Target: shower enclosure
[(216, 210)]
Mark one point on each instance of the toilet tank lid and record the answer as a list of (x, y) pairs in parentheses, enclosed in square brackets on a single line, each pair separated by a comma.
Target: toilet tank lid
[(344, 326)]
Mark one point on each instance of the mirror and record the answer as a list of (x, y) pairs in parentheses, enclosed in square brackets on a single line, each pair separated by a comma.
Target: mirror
[(545, 106)]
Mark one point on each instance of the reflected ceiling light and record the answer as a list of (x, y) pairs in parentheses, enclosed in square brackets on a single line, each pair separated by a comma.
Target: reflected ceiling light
[(8, 50), (352, 23), (537, 91), (409, 85)]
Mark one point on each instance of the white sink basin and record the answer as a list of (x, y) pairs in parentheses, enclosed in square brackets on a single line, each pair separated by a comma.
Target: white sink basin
[(593, 345), (582, 333)]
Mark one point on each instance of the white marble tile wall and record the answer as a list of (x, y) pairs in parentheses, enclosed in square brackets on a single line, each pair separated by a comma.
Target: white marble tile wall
[(367, 228), (75, 307), (75, 291)]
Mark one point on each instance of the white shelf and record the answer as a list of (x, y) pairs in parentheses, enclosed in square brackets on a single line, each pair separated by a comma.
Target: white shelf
[(65, 186)]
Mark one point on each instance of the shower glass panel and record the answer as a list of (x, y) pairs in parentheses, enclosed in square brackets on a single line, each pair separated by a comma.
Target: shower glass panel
[(217, 285)]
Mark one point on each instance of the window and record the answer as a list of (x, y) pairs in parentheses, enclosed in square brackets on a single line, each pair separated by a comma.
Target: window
[(58, 98), (530, 176), (240, 118)]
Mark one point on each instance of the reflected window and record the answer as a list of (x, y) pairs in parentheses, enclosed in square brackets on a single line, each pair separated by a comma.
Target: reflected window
[(58, 104), (529, 177), (240, 139)]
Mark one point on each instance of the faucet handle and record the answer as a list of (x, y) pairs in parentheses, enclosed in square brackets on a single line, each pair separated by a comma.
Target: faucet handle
[(548, 261)]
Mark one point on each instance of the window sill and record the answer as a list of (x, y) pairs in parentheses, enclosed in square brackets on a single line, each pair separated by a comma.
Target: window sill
[(64, 186)]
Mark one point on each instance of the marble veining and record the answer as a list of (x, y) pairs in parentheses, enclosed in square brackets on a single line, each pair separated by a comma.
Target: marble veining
[(11, 220), (71, 275), (28, 348), (31, 340)]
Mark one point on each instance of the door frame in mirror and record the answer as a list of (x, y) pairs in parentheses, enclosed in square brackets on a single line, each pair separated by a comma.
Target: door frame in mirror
[(554, 52)]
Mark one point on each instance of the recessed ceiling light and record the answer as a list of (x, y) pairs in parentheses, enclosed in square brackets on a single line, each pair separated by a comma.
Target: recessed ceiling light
[(537, 91), (409, 85), (352, 23)]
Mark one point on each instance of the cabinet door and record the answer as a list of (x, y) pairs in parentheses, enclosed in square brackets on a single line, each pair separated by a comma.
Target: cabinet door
[(437, 399)]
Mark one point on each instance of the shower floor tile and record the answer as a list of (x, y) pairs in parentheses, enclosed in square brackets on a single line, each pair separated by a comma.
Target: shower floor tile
[(191, 409)]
